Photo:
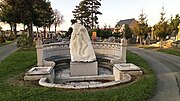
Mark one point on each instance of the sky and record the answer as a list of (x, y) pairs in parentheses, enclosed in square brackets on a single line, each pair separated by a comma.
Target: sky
[(115, 10)]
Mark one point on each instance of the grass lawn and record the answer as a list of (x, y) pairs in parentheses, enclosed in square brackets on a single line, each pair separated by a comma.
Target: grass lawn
[(6, 43), (13, 88), (171, 51)]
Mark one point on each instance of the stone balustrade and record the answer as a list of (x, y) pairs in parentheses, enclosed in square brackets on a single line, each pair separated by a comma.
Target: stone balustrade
[(106, 48), (55, 49), (117, 50)]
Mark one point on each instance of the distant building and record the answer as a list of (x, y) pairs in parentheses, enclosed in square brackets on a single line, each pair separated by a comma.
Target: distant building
[(130, 22)]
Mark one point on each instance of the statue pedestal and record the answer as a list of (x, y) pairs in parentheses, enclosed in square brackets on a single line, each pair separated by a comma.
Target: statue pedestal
[(83, 69)]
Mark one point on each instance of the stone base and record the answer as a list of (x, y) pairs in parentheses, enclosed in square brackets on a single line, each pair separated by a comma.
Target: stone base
[(37, 73), (118, 75), (129, 68), (83, 69)]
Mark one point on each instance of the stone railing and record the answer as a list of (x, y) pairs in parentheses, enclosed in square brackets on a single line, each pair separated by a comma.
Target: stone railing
[(62, 49), (106, 48), (55, 49)]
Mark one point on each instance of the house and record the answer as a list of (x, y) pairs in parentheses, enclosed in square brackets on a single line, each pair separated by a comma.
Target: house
[(131, 22)]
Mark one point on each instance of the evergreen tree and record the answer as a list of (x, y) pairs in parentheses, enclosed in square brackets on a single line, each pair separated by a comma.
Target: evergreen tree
[(161, 28), (142, 27), (106, 33), (82, 13), (173, 26), (128, 32), (87, 12), (95, 5)]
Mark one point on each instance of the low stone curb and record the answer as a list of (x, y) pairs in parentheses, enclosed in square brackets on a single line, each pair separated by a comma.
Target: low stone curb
[(43, 82)]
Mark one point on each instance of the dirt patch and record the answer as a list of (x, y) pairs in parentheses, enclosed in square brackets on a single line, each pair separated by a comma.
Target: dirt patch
[(19, 81)]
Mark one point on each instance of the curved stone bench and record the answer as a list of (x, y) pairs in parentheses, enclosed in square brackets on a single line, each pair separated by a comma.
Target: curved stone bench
[(111, 51), (115, 53)]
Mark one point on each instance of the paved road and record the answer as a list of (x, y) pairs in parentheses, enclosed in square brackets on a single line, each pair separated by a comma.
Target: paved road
[(167, 68), (7, 50)]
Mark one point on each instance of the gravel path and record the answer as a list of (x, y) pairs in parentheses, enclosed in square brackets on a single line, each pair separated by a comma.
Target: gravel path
[(7, 50), (167, 68)]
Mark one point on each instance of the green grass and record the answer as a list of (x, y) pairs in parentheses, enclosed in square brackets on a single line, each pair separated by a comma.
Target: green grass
[(167, 51), (17, 63), (171, 51)]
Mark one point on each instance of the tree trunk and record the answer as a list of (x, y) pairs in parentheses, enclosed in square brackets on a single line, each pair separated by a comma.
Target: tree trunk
[(24, 27), (161, 46), (92, 14), (37, 33), (14, 29), (44, 32), (30, 29), (49, 35), (11, 28), (55, 28), (140, 40)]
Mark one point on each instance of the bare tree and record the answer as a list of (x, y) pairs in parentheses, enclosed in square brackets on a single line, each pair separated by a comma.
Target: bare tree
[(59, 19)]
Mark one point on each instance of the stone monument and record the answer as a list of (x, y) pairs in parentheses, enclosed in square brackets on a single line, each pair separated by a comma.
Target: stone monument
[(83, 59), (39, 47), (178, 35)]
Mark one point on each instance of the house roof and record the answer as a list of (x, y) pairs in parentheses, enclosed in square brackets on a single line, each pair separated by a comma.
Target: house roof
[(126, 21)]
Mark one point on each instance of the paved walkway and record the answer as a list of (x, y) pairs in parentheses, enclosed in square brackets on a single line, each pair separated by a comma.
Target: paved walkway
[(7, 50), (167, 68)]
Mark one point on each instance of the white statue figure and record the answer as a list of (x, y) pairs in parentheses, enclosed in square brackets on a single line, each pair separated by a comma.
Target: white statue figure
[(81, 49)]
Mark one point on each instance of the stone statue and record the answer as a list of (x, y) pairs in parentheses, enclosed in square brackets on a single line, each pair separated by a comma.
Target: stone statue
[(81, 49)]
